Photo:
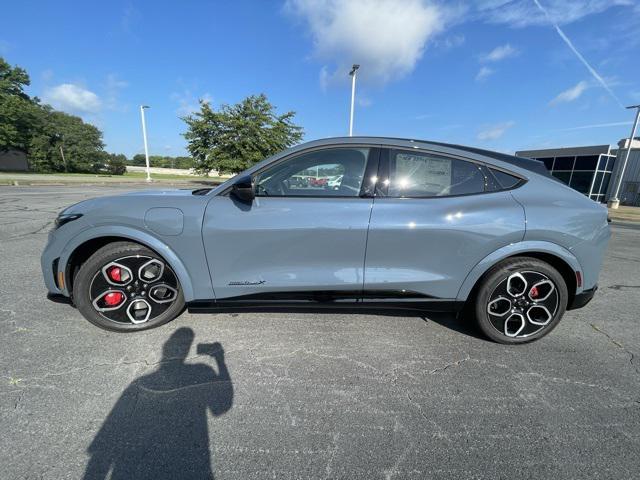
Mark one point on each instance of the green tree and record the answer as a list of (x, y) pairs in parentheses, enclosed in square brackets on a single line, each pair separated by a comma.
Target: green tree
[(65, 143), (114, 164), (54, 141), (237, 136), (19, 114)]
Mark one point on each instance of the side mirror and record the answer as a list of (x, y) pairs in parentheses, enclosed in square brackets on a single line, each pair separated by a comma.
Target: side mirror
[(242, 189)]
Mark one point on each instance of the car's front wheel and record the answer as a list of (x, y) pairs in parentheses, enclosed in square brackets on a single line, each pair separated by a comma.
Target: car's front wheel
[(520, 300), (126, 287)]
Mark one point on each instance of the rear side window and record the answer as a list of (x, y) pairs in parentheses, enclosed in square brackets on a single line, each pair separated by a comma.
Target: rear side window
[(421, 174), (505, 180)]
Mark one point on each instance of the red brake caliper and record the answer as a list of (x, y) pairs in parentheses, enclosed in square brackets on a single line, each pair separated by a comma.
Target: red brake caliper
[(113, 298), (534, 292), (115, 274)]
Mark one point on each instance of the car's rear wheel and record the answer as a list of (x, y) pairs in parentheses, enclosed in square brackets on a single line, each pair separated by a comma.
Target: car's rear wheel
[(127, 287), (520, 300)]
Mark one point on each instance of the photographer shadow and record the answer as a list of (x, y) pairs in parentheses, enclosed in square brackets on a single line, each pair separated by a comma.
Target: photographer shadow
[(158, 428)]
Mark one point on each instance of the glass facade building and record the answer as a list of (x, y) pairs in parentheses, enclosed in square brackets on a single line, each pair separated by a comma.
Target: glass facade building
[(585, 169)]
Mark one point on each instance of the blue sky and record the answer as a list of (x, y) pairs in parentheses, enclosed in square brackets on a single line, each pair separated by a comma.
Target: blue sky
[(493, 73)]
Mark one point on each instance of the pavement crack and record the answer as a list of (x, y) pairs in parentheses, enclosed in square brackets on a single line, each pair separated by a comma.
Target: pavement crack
[(620, 287), (449, 365), (393, 471), (327, 468), (620, 346)]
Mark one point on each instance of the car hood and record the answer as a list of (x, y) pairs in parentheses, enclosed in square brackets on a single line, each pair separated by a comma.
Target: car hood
[(146, 195), (155, 193)]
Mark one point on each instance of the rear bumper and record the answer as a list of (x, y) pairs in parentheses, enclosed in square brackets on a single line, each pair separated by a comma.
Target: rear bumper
[(581, 299)]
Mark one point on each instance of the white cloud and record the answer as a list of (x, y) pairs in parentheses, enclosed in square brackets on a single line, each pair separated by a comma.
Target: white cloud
[(188, 103), (72, 98), (494, 132), (484, 73), (112, 87), (499, 53), (386, 37), (452, 41), (364, 101), (571, 94)]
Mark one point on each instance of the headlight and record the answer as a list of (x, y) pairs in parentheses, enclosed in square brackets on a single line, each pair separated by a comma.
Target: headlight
[(66, 218)]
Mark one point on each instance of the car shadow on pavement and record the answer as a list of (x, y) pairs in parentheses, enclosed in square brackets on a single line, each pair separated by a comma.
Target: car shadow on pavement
[(158, 428), (462, 323)]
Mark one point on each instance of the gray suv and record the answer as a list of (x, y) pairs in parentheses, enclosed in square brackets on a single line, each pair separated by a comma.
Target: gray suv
[(340, 223)]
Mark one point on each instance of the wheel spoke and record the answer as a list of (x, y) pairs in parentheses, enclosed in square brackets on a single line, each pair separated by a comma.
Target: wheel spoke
[(539, 315), (139, 310), (516, 285), (111, 299), (117, 274), (151, 271), (163, 293), (499, 306), (514, 325), (540, 291)]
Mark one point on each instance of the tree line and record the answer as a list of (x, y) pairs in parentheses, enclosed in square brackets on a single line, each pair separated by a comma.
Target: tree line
[(53, 141), (227, 140), (162, 161)]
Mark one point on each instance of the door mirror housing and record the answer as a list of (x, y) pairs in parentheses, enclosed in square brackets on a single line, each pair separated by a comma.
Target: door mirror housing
[(243, 190)]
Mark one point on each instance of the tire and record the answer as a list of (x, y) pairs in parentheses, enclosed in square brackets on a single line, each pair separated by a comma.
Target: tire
[(509, 310), (110, 291)]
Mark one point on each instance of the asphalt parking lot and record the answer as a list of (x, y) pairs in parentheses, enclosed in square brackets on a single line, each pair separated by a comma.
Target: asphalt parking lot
[(303, 395)]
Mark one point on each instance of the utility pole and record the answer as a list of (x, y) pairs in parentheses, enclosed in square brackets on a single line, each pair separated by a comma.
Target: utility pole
[(144, 136), (614, 203), (353, 71), (63, 159)]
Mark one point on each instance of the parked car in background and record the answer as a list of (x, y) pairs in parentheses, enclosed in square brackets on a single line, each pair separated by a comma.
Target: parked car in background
[(409, 224)]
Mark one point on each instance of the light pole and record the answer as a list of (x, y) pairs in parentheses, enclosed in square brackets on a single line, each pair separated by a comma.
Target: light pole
[(144, 136), (615, 201), (353, 71)]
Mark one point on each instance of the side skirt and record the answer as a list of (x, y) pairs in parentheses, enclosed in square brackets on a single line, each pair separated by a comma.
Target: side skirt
[(325, 301)]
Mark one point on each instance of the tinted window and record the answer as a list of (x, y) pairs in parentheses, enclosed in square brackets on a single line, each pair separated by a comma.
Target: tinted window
[(563, 176), (548, 162), (581, 181), (564, 163), (329, 172), (588, 162), (416, 174), (505, 180)]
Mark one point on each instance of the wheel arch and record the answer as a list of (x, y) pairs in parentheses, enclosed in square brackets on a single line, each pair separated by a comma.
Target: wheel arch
[(81, 247), (555, 255)]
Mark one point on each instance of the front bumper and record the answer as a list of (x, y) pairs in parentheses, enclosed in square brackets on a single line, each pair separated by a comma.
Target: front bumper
[(582, 298)]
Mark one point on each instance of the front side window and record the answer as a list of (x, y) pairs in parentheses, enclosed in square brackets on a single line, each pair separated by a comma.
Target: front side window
[(336, 172), (418, 174)]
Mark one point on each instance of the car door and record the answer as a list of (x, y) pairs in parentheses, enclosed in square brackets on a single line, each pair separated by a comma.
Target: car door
[(303, 236), (434, 218)]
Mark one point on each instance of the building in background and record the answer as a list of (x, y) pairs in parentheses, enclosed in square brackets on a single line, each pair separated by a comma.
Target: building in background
[(592, 170), (13, 161)]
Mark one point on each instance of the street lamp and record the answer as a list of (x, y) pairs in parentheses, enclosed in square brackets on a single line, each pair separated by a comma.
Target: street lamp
[(144, 136), (615, 201), (353, 96)]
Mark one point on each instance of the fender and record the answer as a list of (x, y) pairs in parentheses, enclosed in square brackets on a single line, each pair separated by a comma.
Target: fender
[(514, 249), (139, 236)]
